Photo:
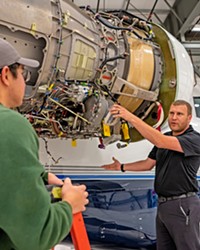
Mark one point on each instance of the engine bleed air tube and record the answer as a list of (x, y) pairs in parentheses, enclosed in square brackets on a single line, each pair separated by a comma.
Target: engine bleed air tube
[(78, 231)]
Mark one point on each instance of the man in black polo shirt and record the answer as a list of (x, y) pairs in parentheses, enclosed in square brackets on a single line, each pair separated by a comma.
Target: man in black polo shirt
[(176, 155)]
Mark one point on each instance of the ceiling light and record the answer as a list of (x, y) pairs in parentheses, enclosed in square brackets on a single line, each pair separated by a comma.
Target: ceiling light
[(196, 28)]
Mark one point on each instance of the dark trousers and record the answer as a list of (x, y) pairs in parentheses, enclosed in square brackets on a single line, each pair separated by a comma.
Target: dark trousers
[(178, 224)]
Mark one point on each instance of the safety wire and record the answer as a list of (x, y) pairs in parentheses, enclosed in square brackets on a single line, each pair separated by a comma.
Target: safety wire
[(49, 153)]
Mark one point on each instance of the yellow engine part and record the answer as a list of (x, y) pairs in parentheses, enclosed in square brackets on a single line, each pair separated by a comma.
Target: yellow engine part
[(141, 72)]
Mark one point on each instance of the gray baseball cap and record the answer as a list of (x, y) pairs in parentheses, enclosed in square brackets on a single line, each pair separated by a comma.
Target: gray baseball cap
[(9, 56)]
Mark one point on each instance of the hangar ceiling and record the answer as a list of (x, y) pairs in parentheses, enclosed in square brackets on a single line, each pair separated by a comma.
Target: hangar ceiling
[(180, 17)]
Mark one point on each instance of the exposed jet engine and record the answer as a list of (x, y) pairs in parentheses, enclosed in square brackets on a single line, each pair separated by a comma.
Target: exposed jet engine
[(88, 61)]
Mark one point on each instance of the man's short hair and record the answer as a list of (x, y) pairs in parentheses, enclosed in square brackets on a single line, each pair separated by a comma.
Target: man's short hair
[(183, 102)]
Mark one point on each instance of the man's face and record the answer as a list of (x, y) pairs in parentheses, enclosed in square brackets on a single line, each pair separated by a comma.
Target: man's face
[(178, 118)]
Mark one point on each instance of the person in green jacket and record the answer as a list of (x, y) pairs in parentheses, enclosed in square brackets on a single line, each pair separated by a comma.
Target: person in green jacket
[(28, 219)]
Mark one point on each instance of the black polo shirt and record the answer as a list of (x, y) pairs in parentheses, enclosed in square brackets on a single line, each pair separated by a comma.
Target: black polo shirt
[(175, 171)]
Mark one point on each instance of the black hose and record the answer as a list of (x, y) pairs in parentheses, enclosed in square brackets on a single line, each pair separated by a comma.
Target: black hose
[(98, 2), (152, 10), (110, 60), (109, 25)]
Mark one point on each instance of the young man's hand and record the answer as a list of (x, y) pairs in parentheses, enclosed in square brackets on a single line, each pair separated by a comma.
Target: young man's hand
[(76, 196)]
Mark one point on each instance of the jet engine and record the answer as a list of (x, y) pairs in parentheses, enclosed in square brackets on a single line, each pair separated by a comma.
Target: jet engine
[(88, 61)]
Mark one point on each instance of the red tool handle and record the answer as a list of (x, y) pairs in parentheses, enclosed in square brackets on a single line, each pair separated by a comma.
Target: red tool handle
[(79, 233)]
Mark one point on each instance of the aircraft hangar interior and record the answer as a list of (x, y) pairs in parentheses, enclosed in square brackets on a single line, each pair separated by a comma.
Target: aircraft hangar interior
[(140, 54)]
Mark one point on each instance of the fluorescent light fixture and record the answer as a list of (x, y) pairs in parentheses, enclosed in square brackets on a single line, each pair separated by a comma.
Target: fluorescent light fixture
[(196, 28)]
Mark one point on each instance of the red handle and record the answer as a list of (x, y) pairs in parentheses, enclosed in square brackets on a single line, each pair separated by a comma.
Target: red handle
[(79, 233)]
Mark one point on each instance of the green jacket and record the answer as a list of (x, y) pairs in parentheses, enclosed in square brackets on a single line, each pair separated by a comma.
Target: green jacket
[(28, 220)]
